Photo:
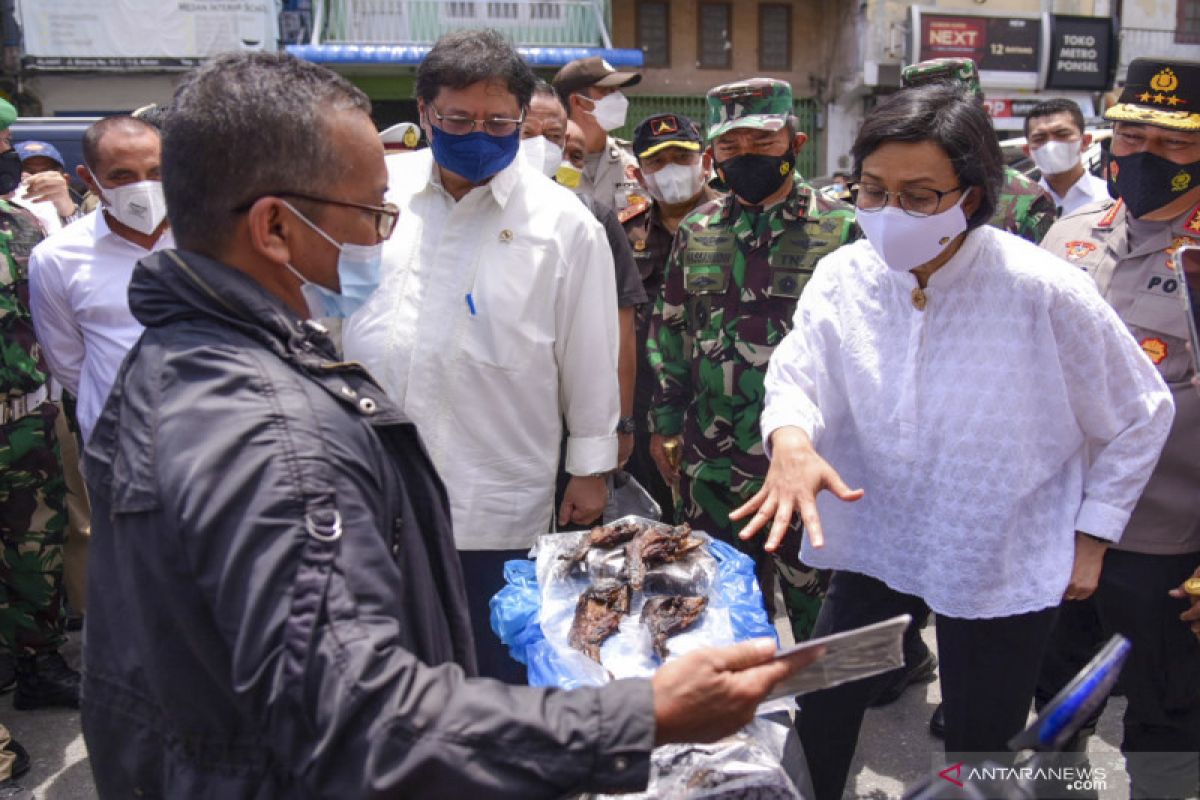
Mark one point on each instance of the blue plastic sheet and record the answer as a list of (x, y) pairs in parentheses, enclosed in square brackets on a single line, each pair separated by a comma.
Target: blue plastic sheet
[(515, 610)]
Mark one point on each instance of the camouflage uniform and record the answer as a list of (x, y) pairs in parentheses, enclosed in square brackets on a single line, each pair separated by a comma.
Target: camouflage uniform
[(1023, 207), (32, 492), (729, 295)]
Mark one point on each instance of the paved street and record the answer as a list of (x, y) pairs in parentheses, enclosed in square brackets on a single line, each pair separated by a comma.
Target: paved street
[(895, 749)]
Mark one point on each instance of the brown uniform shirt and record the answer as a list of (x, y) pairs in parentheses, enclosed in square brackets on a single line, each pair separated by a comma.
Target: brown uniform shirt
[(1130, 260)]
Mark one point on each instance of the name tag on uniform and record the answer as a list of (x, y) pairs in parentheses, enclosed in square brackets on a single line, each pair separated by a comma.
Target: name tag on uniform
[(708, 261)]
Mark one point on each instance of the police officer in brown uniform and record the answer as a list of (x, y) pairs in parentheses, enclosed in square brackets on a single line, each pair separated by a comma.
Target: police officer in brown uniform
[(672, 170), (591, 90), (1125, 244)]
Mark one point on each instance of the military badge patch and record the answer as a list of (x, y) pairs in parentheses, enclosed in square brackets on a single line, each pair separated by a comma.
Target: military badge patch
[(1178, 242), (1155, 348), (1077, 250)]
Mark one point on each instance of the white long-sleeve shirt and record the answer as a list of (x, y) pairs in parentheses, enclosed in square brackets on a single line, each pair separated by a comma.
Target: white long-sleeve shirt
[(496, 320), (988, 428), (79, 297)]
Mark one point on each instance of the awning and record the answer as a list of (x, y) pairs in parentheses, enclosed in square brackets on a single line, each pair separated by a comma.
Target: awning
[(411, 55)]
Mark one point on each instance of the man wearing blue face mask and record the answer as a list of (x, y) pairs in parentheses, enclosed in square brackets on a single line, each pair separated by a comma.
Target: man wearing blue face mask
[(495, 321), (591, 90)]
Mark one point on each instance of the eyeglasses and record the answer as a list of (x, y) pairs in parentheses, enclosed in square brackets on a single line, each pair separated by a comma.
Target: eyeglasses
[(459, 125), (914, 202), (386, 215)]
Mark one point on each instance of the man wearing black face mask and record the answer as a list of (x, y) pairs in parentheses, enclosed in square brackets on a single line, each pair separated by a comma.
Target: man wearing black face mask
[(730, 289), (1125, 244)]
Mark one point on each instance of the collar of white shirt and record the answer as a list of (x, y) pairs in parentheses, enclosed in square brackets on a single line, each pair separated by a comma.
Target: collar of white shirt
[(501, 185)]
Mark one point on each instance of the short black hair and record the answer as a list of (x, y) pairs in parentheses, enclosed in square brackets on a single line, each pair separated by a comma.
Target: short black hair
[(840, 174), (98, 130), (542, 88), (243, 126), (1058, 105), (951, 118), (464, 58)]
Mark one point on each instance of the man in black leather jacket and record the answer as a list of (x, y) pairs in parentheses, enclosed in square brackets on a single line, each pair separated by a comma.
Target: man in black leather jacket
[(276, 608)]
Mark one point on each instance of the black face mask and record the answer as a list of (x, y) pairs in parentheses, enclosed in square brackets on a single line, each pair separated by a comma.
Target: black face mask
[(1147, 182), (754, 178), (10, 172)]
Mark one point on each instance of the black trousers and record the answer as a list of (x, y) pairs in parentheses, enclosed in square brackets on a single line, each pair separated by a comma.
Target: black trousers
[(483, 573), (1161, 678), (989, 669)]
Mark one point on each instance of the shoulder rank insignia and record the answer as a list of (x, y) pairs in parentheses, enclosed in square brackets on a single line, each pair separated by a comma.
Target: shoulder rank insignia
[(1077, 250), (1107, 220), (1193, 223), (637, 204)]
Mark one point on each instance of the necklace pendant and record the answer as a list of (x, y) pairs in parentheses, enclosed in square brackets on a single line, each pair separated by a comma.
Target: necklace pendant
[(918, 299)]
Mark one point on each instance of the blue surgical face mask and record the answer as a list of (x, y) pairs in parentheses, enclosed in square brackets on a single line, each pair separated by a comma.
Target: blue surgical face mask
[(358, 273), (477, 155)]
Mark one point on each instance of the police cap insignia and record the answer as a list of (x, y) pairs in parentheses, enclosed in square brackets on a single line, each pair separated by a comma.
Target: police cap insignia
[(1160, 92)]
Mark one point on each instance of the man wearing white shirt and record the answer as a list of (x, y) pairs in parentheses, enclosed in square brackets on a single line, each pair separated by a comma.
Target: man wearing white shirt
[(495, 321), (79, 277), (1055, 136)]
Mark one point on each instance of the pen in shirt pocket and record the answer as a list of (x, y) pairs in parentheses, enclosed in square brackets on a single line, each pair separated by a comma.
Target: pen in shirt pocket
[(471, 303)]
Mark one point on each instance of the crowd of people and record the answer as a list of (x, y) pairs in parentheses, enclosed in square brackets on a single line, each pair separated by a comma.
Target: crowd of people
[(323, 395)]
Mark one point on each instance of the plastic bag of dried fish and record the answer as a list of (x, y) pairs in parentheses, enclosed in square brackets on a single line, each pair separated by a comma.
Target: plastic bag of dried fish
[(590, 623), (740, 767)]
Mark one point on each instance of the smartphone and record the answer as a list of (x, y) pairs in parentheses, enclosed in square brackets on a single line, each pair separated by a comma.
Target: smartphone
[(1187, 266)]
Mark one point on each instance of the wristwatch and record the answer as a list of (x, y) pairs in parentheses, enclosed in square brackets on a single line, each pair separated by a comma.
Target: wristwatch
[(626, 425)]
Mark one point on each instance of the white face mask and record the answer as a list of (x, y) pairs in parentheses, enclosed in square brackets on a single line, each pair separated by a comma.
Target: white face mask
[(610, 111), (139, 205), (905, 242), (675, 183), (1054, 158), (541, 154)]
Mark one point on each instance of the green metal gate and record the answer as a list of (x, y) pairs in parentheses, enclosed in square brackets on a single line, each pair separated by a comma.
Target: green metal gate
[(692, 106)]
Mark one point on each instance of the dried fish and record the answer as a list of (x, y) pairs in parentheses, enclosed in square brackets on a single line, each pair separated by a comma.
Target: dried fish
[(667, 616), (598, 616), (658, 546), (603, 537)]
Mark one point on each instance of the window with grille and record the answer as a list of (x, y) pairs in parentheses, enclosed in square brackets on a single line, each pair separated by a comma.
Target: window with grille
[(1187, 21), (774, 36), (716, 45), (654, 35)]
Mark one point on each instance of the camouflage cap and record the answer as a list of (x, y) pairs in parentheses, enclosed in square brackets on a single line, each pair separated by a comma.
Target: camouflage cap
[(8, 114), (959, 71), (1161, 93), (763, 103)]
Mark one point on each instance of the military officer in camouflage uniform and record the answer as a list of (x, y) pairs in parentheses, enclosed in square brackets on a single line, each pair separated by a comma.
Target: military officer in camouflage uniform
[(1024, 207), (672, 170), (32, 492), (732, 281), (1126, 246), (591, 90)]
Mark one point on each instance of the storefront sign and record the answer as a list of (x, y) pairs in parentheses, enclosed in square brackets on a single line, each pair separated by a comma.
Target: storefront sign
[(1080, 53), (141, 34), (1006, 49)]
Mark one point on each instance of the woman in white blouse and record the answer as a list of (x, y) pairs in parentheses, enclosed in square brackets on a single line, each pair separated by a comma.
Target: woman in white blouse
[(997, 415)]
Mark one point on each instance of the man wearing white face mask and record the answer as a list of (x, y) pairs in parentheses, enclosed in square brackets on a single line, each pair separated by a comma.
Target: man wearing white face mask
[(674, 172), (591, 90), (79, 277), (1054, 130)]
